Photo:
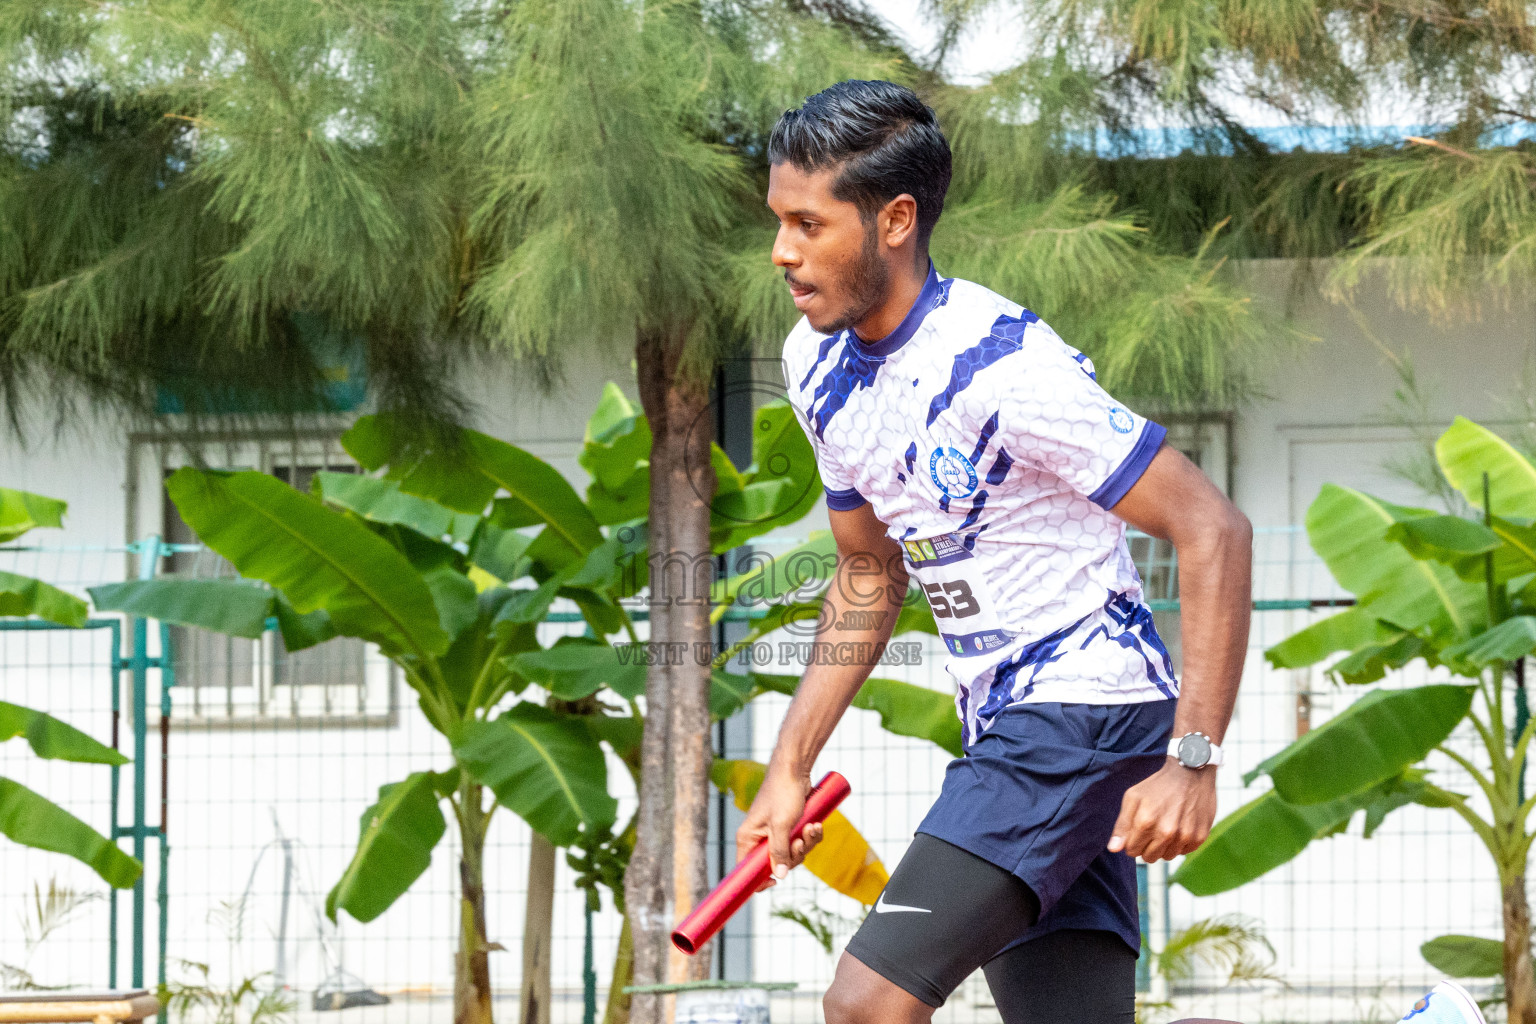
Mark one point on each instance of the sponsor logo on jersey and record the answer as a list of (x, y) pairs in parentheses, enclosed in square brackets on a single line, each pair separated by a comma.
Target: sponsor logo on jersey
[(952, 472), (1121, 420)]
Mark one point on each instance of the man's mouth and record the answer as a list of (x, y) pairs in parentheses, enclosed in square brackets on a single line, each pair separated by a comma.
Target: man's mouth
[(801, 294)]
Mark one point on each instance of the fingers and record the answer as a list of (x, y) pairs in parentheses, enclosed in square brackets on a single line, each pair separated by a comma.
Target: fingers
[(1121, 835)]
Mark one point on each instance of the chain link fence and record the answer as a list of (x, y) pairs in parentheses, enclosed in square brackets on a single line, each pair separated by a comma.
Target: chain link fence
[(270, 759)]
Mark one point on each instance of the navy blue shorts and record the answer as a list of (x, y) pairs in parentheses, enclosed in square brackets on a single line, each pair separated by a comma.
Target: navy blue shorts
[(1038, 794)]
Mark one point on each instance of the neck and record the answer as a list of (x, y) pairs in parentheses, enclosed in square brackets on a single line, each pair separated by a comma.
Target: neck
[(886, 317)]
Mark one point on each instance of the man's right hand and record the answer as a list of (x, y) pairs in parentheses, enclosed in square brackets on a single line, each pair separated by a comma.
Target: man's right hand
[(778, 805)]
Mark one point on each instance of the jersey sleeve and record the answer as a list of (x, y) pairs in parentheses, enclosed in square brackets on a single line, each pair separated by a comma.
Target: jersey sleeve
[(1058, 419), (835, 479)]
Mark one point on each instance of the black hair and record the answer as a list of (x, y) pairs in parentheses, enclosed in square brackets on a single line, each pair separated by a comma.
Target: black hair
[(886, 139)]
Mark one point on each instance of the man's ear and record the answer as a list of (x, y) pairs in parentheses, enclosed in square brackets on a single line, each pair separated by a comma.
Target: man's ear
[(898, 220)]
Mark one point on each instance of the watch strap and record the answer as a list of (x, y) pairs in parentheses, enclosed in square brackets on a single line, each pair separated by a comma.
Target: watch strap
[(1218, 756)]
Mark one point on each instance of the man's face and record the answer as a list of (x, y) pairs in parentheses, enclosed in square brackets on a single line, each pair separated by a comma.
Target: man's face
[(830, 258)]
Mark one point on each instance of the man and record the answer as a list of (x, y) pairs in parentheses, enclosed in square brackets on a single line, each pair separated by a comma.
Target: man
[(962, 442)]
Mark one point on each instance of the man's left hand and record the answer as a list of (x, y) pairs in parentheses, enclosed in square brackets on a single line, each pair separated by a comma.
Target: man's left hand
[(1166, 815)]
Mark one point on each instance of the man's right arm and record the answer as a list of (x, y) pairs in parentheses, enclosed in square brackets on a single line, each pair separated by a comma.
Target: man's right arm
[(870, 577)]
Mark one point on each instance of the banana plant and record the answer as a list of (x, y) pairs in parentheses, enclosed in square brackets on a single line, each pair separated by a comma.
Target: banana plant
[(428, 584), (447, 559), (27, 817), (1458, 592)]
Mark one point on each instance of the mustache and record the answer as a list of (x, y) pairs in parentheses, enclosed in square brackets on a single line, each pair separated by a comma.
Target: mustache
[(794, 282)]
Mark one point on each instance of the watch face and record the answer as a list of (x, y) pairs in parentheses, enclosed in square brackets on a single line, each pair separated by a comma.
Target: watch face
[(1194, 751)]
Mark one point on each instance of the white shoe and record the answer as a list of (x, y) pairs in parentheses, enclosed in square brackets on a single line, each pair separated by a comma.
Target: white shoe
[(1446, 1003)]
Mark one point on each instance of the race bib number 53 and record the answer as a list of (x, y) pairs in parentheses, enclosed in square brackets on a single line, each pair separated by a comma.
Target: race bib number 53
[(957, 594)]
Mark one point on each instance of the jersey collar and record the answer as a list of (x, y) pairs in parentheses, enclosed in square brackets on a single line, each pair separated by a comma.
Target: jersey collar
[(927, 300)]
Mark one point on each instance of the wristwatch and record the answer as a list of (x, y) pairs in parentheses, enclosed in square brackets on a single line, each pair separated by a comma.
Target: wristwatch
[(1195, 750)]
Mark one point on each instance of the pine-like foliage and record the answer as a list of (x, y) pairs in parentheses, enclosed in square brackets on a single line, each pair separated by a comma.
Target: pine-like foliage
[(191, 192)]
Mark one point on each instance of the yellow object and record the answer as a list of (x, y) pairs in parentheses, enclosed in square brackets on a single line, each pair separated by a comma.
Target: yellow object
[(843, 859)]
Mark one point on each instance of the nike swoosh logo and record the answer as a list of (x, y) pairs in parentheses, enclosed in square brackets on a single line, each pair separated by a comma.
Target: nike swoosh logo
[(882, 907)]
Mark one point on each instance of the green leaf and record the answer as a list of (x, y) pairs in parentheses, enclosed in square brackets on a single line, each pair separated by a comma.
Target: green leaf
[(301, 631), (1372, 740), (1258, 837), (795, 571), (32, 820), (1373, 661), (500, 552), (394, 846), (539, 487), (382, 501), (1466, 451), (470, 655), (317, 557), (546, 768), (232, 607), (449, 477), (1465, 956), (781, 452), (21, 511), (1513, 638), (576, 667), (1342, 632), (617, 442), (729, 692), (1348, 530), (48, 737), (905, 709), (1449, 539), (22, 596)]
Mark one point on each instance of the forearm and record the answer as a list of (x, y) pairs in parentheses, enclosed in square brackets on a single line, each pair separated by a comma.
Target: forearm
[(1215, 603), (827, 688)]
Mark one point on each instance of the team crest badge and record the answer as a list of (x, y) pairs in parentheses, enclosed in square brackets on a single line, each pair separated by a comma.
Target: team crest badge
[(1121, 420), (952, 472)]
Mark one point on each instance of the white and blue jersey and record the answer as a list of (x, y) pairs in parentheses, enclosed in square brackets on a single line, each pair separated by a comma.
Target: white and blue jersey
[(986, 445)]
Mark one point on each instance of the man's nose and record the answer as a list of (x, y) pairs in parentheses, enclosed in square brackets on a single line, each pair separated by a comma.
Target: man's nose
[(784, 254)]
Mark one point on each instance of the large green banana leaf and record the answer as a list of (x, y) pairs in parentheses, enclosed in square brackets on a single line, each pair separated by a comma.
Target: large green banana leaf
[(1266, 832), (33, 820), (905, 709), (1348, 530), (541, 493), (1345, 631), (1513, 638), (1374, 661), (1467, 450), (232, 607), (394, 846), (48, 737), (577, 667), (546, 768), (316, 556), (21, 511), (446, 473), (773, 577), (22, 596), (382, 501), (1370, 741)]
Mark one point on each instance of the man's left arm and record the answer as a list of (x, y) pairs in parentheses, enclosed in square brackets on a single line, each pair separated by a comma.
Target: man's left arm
[(1171, 812)]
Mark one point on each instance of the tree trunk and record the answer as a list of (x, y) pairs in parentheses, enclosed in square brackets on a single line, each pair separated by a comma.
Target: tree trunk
[(472, 972), (667, 873), (1519, 984), (617, 1010), (538, 925)]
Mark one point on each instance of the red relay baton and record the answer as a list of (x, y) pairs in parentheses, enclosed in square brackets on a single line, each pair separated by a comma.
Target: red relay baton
[(752, 871)]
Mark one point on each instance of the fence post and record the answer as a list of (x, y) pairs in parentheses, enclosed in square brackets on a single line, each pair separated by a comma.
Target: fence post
[(149, 558)]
